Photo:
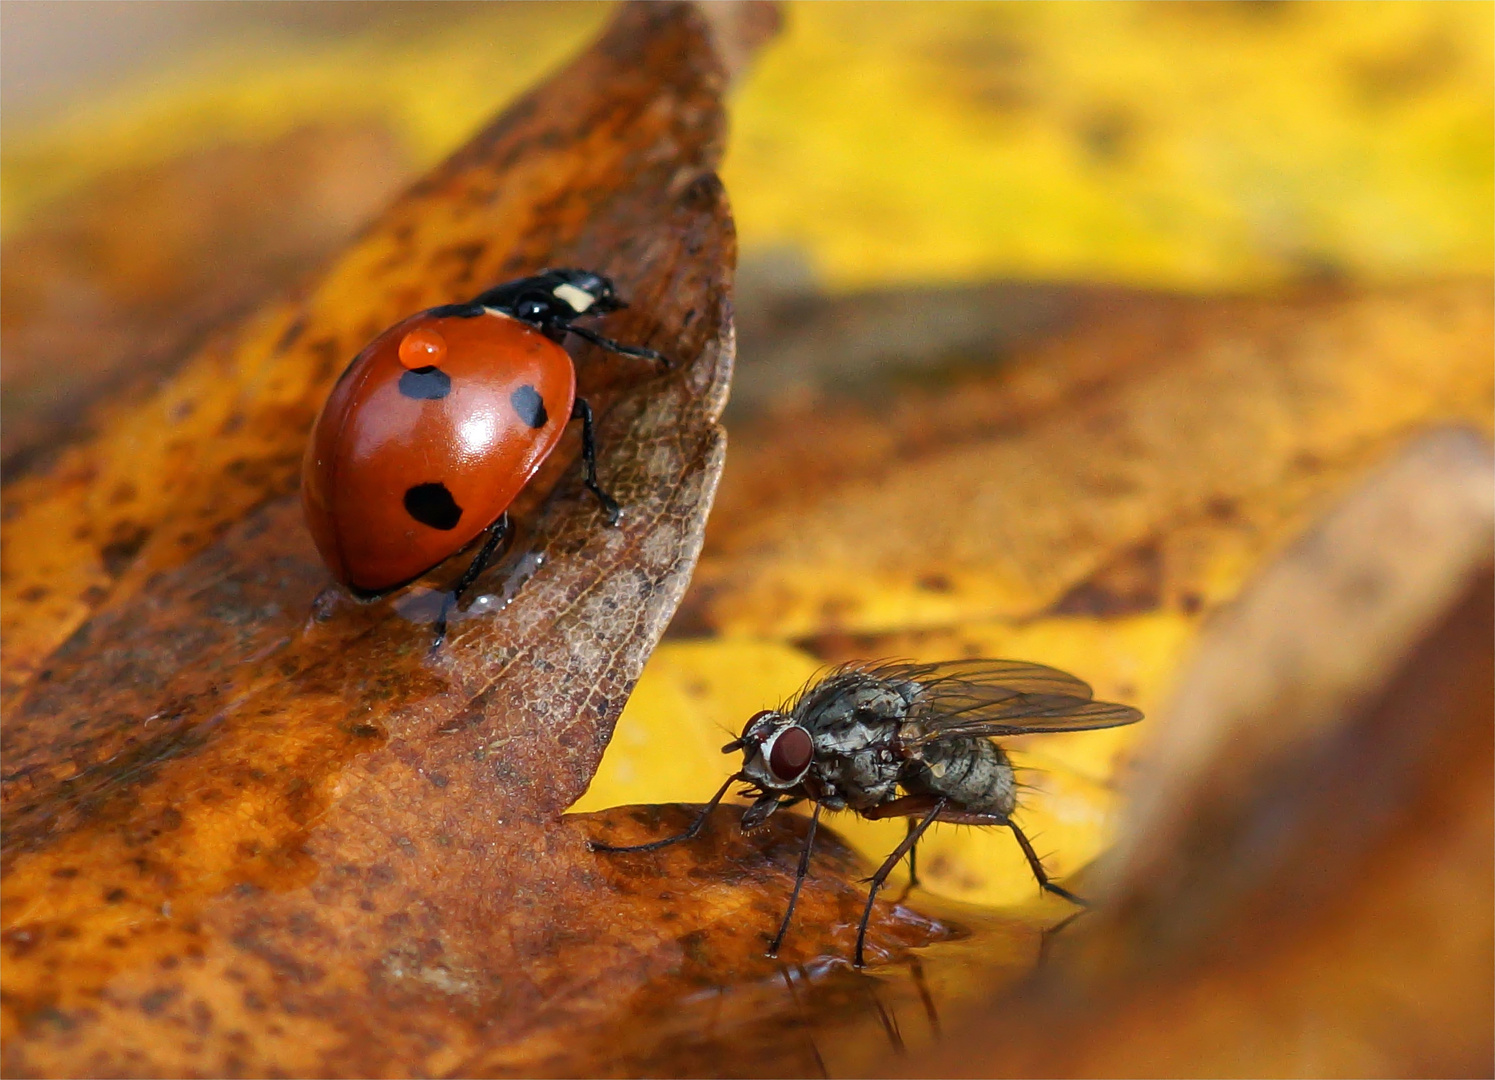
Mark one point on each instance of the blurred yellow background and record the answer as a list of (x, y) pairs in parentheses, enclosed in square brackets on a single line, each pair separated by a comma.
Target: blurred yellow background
[(1198, 147)]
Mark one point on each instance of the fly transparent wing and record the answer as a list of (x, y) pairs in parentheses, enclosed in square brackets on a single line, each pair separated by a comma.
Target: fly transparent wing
[(1000, 697)]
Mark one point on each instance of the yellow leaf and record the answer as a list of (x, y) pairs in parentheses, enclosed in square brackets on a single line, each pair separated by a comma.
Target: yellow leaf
[(1193, 146)]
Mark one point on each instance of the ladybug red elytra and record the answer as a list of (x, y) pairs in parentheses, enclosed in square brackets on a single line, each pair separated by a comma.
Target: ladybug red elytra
[(438, 424)]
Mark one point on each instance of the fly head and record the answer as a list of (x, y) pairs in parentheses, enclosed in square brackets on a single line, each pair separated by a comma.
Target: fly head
[(776, 755)]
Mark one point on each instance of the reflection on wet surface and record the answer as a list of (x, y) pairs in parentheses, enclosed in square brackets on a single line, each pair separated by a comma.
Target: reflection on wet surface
[(820, 1016), (421, 605)]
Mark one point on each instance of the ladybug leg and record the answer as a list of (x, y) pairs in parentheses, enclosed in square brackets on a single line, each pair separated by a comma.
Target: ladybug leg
[(583, 412), (496, 534), (622, 350)]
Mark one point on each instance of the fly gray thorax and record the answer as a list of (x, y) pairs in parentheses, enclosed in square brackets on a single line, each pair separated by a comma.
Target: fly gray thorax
[(855, 721), (852, 711)]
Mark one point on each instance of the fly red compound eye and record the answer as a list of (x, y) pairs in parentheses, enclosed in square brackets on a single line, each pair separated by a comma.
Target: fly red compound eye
[(789, 754)]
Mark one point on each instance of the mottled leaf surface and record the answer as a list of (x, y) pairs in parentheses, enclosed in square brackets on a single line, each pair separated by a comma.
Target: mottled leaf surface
[(252, 827)]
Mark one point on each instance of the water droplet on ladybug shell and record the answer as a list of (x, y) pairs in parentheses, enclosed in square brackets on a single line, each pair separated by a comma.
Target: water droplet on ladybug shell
[(422, 347)]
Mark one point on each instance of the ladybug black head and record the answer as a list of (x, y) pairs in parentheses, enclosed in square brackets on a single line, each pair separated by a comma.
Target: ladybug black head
[(586, 292), (552, 300)]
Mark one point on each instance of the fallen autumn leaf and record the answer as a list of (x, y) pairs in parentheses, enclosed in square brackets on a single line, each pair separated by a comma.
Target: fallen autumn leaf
[(241, 807)]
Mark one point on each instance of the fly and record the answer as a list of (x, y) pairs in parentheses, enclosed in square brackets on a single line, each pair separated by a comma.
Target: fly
[(903, 740)]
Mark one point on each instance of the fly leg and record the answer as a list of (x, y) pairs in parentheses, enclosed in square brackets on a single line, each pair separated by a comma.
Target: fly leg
[(583, 412), (622, 350), (1036, 865), (908, 806), (887, 868), (496, 534), (695, 827), (799, 880), (913, 857), (913, 867)]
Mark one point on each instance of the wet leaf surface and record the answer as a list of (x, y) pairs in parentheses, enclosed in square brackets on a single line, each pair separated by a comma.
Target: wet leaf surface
[(252, 827)]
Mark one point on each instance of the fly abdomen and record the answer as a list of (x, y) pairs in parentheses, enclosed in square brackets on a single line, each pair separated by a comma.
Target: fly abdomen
[(972, 773)]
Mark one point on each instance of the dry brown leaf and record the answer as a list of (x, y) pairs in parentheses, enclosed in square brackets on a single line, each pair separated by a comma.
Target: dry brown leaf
[(109, 289), (252, 827)]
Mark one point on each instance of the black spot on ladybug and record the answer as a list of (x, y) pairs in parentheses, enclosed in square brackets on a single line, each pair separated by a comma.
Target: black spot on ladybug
[(426, 383), (433, 505), (530, 406)]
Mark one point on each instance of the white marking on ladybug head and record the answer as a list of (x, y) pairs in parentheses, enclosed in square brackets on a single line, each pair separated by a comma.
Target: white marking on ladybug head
[(578, 299)]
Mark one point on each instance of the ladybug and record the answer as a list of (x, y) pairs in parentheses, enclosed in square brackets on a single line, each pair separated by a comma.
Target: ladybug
[(440, 421)]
